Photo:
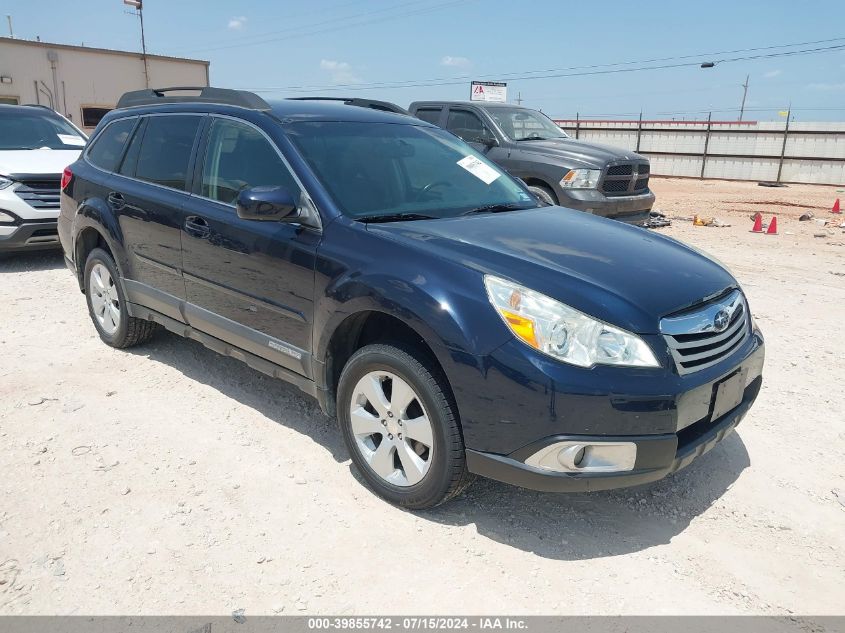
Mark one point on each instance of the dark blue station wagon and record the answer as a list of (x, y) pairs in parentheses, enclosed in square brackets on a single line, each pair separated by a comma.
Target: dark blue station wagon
[(452, 324)]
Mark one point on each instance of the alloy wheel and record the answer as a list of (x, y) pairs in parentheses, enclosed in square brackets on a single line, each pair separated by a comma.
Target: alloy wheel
[(104, 298), (391, 428)]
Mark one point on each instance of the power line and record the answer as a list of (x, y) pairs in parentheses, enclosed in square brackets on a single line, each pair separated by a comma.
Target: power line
[(589, 70), (303, 31)]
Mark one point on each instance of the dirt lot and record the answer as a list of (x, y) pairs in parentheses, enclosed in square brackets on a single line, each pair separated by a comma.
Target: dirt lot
[(168, 479)]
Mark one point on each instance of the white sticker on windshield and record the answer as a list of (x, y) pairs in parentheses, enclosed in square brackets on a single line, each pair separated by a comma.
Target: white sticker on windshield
[(71, 139), (478, 169)]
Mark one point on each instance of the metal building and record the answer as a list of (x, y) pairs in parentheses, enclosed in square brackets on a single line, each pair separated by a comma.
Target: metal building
[(84, 83)]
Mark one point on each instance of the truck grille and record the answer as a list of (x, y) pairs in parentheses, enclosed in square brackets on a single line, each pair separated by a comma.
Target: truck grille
[(625, 179), (701, 338), (41, 192)]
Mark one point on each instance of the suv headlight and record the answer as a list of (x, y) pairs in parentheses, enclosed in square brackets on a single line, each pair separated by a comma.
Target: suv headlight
[(563, 332), (581, 179), (5, 182)]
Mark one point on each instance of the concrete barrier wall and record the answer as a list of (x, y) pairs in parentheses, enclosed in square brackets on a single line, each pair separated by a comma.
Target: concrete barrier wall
[(805, 153)]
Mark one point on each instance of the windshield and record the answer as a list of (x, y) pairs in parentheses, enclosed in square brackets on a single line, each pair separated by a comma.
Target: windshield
[(521, 124), (374, 169), (37, 130)]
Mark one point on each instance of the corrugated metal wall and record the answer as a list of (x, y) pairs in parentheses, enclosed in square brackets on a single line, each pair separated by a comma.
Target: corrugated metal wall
[(812, 152)]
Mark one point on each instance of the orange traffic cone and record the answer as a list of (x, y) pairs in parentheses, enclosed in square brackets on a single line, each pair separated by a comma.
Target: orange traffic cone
[(758, 223), (773, 226), (835, 208)]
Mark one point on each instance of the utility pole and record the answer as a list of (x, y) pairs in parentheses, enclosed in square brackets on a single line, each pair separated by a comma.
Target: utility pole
[(11, 30), (518, 98), (744, 93), (138, 4)]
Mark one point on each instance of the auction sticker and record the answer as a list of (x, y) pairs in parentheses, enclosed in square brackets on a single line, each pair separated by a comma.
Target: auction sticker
[(483, 172), (71, 139)]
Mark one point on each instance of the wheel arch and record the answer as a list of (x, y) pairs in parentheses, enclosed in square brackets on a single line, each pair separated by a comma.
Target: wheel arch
[(96, 227)]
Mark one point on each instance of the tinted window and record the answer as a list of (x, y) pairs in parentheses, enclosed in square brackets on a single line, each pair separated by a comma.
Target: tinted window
[(130, 160), (34, 128), (239, 157), (166, 150), (383, 169), (108, 146), (429, 115), (466, 124)]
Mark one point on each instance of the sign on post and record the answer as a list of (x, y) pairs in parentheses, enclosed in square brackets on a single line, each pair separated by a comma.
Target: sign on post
[(488, 91)]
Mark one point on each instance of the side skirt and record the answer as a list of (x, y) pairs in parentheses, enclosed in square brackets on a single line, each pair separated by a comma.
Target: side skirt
[(306, 385)]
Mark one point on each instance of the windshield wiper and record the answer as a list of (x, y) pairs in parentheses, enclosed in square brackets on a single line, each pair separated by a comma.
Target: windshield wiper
[(537, 138), (395, 217), (496, 208)]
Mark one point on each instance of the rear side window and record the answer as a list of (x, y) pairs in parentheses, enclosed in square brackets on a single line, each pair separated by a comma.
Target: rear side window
[(239, 157), (107, 149), (429, 115), (165, 151)]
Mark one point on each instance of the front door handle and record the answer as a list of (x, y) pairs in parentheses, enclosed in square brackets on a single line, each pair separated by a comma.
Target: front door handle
[(197, 226), (115, 200)]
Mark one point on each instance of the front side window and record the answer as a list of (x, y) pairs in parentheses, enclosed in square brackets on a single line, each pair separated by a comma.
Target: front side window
[(165, 151), (388, 169), (467, 125), (37, 130), (239, 157), (522, 124), (108, 146)]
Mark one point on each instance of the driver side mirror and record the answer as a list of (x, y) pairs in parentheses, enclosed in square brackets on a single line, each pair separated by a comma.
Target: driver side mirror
[(267, 203), (487, 138)]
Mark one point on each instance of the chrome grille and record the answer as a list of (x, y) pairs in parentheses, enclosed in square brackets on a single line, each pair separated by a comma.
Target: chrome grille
[(701, 338), (40, 193), (625, 179)]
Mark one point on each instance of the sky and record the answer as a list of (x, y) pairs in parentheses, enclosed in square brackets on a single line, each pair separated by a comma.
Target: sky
[(406, 50)]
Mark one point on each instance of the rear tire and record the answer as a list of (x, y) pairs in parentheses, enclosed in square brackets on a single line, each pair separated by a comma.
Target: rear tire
[(543, 194), (400, 425), (107, 304)]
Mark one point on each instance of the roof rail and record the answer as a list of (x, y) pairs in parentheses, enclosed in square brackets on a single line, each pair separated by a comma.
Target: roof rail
[(373, 104), (207, 94)]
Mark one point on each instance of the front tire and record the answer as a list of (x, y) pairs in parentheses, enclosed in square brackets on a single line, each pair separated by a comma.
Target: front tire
[(400, 425), (543, 194), (107, 304)]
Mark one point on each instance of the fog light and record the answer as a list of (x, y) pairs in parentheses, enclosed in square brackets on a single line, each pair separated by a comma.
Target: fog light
[(585, 457)]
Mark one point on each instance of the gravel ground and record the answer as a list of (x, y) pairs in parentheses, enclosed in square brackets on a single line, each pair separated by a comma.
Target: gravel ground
[(167, 479)]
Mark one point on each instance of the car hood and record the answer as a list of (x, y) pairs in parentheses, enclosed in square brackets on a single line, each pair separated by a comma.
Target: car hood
[(624, 275), (590, 154), (36, 161)]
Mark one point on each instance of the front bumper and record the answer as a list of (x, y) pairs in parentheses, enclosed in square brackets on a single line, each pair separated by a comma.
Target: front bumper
[(29, 236), (523, 401), (657, 456), (629, 209)]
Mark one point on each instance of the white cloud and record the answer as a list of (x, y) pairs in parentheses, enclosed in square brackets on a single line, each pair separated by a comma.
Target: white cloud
[(456, 62), (237, 23), (341, 72), (772, 73), (827, 86)]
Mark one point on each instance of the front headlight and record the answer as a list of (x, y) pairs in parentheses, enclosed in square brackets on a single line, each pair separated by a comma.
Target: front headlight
[(581, 179), (5, 182), (562, 332)]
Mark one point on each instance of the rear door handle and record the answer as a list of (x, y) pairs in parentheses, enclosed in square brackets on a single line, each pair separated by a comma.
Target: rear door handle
[(197, 226), (115, 200)]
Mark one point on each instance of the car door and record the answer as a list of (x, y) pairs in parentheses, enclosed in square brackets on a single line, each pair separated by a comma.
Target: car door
[(149, 191), (249, 282)]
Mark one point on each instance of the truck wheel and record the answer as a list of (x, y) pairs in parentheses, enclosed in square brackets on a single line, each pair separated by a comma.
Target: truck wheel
[(400, 426), (544, 194), (107, 304)]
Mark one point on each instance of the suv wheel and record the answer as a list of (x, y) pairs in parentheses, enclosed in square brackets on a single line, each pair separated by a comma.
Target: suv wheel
[(107, 304), (544, 194), (401, 427)]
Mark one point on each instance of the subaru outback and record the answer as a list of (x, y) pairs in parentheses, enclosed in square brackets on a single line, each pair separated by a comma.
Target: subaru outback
[(452, 325)]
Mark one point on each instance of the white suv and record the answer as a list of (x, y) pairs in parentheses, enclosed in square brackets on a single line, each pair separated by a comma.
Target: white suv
[(36, 144)]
